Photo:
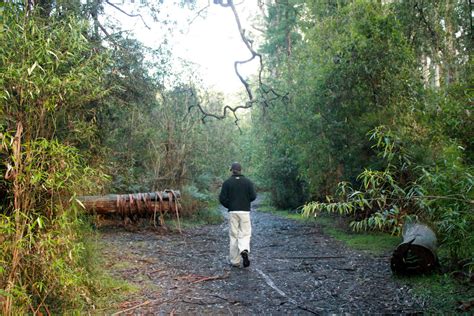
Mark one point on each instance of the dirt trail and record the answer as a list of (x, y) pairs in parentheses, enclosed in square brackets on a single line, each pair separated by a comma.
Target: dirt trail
[(295, 269)]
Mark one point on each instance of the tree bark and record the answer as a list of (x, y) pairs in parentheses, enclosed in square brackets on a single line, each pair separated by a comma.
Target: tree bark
[(140, 204)]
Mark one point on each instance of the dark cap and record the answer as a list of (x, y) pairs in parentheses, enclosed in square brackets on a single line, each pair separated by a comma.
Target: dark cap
[(236, 167)]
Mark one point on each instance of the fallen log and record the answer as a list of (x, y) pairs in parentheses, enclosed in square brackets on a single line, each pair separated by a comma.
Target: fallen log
[(139, 204), (417, 253)]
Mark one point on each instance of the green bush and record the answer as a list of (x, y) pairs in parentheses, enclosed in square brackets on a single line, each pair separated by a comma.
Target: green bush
[(280, 176), (50, 73), (440, 195), (192, 200), (44, 256)]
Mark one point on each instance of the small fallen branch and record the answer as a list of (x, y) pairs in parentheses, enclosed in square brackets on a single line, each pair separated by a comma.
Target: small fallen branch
[(313, 257), (155, 271), (193, 278), (217, 277), (233, 302), (133, 307)]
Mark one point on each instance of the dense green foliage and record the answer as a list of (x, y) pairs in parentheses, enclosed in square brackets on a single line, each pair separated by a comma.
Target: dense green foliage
[(50, 74), (345, 82), (372, 120), (377, 114), (152, 132)]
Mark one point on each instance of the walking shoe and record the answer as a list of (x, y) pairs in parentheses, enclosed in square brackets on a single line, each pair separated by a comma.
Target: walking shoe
[(245, 257), (233, 265)]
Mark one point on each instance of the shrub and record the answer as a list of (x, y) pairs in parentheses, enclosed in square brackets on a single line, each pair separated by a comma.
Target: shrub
[(50, 74), (43, 251), (440, 195)]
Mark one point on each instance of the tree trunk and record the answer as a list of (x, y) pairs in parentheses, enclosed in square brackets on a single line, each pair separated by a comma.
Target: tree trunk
[(140, 204)]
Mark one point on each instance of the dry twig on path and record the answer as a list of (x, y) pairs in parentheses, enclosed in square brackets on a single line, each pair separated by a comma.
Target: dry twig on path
[(193, 278), (132, 308), (217, 277)]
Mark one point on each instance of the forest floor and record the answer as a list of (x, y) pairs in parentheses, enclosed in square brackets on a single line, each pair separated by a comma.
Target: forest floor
[(295, 269)]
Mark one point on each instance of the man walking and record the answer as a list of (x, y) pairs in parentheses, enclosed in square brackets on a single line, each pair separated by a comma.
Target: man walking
[(237, 193)]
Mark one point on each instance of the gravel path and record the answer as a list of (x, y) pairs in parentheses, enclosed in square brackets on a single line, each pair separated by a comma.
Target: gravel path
[(295, 269)]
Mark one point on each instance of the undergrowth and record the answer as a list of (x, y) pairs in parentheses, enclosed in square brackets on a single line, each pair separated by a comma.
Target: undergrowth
[(209, 215), (107, 290), (198, 208), (443, 293), (437, 194)]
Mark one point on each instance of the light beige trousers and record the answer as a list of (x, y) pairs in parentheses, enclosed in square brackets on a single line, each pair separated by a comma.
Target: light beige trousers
[(240, 231)]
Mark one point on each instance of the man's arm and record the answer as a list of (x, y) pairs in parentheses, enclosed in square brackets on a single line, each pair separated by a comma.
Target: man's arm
[(253, 194), (223, 196)]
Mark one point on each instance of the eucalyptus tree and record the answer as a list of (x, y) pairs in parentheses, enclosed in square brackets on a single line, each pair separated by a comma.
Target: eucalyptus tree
[(273, 153), (440, 32)]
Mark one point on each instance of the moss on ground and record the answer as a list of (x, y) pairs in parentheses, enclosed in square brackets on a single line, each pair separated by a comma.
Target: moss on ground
[(106, 289), (111, 293)]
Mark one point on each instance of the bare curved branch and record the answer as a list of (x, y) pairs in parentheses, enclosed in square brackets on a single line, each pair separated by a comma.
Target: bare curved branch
[(128, 14), (269, 94)]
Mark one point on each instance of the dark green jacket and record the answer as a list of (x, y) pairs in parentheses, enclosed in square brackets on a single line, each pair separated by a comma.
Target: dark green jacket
[(237, 192)]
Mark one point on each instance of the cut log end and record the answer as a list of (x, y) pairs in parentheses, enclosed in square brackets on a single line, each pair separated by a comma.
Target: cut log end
[(410, 259), (416, 254)]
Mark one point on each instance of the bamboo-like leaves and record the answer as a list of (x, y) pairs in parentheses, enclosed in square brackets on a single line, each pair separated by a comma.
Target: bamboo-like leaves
[(380, 196), (50, 74)]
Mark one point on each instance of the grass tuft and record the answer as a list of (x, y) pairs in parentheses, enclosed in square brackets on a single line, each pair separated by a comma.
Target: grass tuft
[(441, 292)]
